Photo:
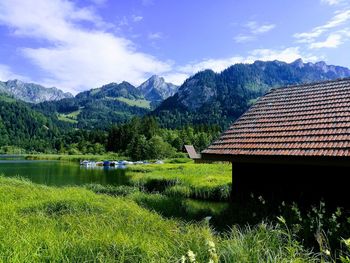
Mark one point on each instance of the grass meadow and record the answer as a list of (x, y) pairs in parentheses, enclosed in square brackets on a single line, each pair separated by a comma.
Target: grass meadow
[(74, 224), (175, 212), (204, 181)]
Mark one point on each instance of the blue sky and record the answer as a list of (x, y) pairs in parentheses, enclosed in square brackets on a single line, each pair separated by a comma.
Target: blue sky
[(78, 45)]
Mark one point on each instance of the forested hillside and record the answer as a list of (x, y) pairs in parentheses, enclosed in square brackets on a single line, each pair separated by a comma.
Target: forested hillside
[(213, 98), (23, 127), (98, 108)]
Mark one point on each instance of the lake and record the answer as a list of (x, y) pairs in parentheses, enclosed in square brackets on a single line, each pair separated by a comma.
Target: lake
[(63, 173), (59, 173)]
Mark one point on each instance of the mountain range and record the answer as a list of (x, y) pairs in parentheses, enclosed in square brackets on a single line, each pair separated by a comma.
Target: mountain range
[(220, 98), (205, 98), (112, 103), (30, 92)]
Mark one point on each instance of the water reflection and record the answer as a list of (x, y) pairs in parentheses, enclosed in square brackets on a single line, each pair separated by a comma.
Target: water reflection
[(58, 173)]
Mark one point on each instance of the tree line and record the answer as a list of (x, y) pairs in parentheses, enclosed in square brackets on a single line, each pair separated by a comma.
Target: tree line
[(25, 130)]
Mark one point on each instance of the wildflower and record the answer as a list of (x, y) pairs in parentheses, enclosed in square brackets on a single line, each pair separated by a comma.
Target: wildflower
[(327, 252), (191, 256), (212, 252), (211, 245), (183, 259)]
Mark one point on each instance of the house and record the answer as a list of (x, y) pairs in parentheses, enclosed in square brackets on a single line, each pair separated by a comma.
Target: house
[(293, 143), (192, 153)]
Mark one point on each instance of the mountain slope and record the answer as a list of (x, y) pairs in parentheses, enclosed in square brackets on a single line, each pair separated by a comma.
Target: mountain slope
[(155, 89), (99, 108), (24, 127), (208, 97), (112, 90), (30, 92)]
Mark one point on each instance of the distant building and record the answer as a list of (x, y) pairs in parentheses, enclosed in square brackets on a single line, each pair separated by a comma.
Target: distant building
[(294, 143), (192, 153)]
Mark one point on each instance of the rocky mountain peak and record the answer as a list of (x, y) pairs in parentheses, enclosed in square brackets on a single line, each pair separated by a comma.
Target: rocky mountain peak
[(30, 92), (156, 89), (299, 63)]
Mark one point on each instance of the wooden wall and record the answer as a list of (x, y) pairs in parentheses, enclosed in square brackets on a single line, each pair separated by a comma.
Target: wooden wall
[(287, 182)]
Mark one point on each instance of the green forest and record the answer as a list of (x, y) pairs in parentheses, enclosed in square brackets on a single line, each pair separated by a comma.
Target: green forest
[(24, 130)]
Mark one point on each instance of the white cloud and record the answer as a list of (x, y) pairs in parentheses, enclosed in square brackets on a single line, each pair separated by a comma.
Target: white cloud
[(332, 28), (254, 29), (176, 78), (76, 58), (155, 36), (332, 41), (216, 65), (241, 38), (332, 2), (136, 18), (6, 73), (288, 55)]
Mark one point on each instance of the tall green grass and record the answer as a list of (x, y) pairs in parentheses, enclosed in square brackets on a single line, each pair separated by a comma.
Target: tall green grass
[(73, 224), (199, 181)]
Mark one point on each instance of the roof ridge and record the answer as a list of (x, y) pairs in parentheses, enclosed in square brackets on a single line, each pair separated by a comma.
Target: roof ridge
[(310, 84)]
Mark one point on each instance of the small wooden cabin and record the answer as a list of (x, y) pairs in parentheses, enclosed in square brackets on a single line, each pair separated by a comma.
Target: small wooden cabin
[(293, 143), (192, 153)]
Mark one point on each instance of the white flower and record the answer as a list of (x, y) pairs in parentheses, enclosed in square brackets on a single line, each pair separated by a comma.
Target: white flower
[(211, 244), (191, 256)]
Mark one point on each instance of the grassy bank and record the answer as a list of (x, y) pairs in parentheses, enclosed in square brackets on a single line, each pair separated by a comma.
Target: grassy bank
[(199, 181), (178, 177), (74, 157), (46, 224)]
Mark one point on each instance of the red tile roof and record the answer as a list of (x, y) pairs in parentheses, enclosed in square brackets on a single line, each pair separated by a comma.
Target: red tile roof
[(304, 120)]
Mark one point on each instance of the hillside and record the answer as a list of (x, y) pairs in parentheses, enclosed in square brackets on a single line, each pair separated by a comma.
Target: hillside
[(98, 108), (209, 97), (24, 127), (112, 103), (30, 92)]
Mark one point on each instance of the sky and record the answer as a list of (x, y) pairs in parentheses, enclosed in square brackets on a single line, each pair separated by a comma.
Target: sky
[(83, 44)]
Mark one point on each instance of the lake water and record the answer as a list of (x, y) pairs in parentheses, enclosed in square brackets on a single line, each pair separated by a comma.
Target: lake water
[(59, 173)]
